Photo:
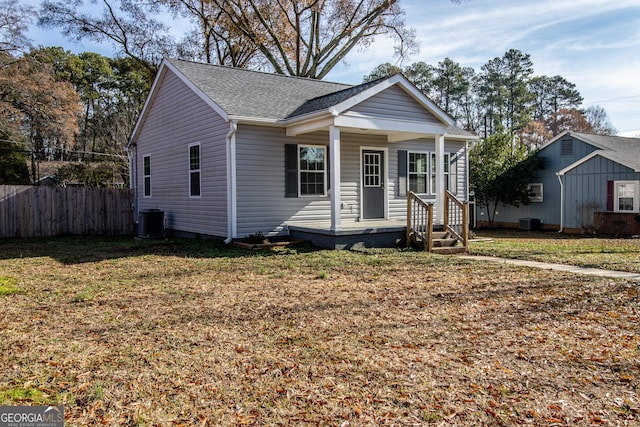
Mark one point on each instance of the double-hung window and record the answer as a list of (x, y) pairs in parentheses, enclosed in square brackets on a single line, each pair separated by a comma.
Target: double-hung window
[(434, 171), (146, 174), (312, 169), (535, 192), (421, 172), (418, 172), (626, 196), (194, 170)]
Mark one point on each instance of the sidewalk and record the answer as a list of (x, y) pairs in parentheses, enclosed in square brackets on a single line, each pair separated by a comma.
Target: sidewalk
[(557, 267)]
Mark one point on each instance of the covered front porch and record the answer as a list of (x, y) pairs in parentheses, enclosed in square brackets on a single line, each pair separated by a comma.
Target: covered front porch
[(352, 235), (418, 230), (403, 122)]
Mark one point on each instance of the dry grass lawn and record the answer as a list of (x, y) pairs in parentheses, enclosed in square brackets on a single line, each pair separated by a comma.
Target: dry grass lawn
[(192, 333)]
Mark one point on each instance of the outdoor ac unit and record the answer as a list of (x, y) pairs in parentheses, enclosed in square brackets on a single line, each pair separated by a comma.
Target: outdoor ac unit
[(151, 223), (529, 224)]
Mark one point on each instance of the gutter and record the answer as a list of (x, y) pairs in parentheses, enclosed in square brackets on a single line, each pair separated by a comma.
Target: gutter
[(561, 202), (232, 226)]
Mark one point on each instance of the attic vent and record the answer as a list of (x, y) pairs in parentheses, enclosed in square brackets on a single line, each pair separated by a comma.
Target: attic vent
[(567, 147)]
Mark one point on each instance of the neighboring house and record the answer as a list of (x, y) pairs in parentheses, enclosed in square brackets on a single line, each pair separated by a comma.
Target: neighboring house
[(590, 183), (229, 153)]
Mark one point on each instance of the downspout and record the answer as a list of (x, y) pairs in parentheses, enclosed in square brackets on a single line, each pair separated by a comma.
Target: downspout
[(466, 170), (231, 181), (561, 203), (133, 179)]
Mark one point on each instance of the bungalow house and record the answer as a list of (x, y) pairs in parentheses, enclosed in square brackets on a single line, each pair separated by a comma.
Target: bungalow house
[(590, 183), (230, 152)]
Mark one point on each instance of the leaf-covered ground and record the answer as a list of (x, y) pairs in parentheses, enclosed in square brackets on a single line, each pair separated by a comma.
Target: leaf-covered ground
[(192, 333), (583, 251)]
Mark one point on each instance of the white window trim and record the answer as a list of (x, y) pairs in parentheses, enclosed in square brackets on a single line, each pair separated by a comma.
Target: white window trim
[(144, 178), (427, 172), (199, 170), (636, 196), (533, 198), (431, 171), (300, 171)]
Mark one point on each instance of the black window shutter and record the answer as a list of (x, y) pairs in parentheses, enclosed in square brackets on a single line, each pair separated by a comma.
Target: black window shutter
[(328, 169), (402, 173), (609, 196), (291, 170)]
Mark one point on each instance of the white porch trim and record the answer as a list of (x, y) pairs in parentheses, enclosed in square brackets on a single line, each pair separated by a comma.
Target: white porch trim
[(440, 184), (334, 161)]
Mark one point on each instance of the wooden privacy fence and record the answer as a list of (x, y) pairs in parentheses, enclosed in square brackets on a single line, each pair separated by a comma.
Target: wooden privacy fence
[(37, 211)]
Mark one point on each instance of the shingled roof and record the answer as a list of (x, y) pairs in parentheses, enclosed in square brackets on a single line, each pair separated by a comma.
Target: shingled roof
[(625, 151), (246, 93), (242, 93)]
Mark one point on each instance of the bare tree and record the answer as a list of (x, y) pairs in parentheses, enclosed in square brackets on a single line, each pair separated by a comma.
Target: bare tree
[(129, 26), (599, 121), (309, 38), (214, 39), (14, 21)]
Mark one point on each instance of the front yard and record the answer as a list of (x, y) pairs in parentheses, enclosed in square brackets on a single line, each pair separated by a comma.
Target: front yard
[(194, 333), (583, 251)]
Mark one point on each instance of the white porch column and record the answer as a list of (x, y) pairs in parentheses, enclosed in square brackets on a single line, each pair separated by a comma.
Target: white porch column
[(440, 184), (334, 162)]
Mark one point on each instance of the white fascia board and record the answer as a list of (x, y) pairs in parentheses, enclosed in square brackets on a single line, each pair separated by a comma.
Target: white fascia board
[(198, 92), (397, 137), (390, 125), (607, 155), (401, 81), (319, 123), (145, 107), (256, 121), (551, 141), (581, 161), (164, 67)]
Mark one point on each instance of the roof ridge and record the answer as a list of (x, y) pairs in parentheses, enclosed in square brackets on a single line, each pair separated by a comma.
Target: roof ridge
[(248, 70)]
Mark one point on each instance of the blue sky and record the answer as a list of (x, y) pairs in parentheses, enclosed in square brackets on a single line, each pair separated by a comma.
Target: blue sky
[(592, 43)]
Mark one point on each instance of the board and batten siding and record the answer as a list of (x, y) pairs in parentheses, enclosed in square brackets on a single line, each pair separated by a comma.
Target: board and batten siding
[(404, 107), (586, 189), (261, 202), (176, 119), (547, 211)]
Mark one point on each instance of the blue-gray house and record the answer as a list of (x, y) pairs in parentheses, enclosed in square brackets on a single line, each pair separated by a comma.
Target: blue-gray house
[(590, 183)]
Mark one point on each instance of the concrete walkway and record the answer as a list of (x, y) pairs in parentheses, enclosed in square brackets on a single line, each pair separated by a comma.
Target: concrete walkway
[(558, 267)]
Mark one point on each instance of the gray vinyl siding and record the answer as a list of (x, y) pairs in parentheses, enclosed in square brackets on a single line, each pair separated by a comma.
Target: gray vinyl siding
[(260, 182), (404, 107), (261, 202), (398, 202), (177, 118)]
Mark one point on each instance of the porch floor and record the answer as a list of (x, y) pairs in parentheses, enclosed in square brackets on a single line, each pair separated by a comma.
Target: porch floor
[(352, 235)]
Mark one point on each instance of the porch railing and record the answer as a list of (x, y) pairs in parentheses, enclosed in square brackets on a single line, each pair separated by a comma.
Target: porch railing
[(456, 218), (419, 220)]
